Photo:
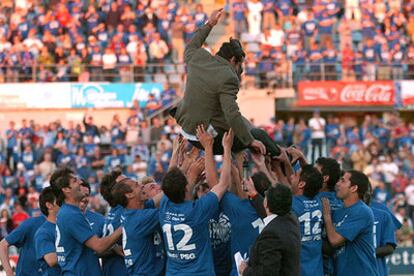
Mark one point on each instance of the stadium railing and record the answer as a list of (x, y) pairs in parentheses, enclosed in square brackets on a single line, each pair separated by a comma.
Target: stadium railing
[(259, 74)]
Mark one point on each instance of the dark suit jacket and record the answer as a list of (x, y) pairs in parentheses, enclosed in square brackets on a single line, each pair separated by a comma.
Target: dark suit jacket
[(210, 92), (277, 249)]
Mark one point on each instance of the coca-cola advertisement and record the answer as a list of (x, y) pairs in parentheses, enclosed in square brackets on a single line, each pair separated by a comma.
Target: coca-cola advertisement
[(343, 93)]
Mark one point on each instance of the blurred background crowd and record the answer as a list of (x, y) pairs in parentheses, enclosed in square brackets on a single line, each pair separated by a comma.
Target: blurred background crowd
[(130, 40), (380, 147)]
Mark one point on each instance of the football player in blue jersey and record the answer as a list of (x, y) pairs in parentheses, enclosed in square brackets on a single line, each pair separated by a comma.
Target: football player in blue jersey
[(113, 263), (23, 238), (74, 235), (349, 229), (306, 184), (45, 236), (384, 235), (331, 172), (185, 223), (140, 227), (96, 221), (219, 225), (236, 207)]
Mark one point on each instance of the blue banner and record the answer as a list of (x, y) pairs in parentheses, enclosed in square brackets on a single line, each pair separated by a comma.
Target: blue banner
[(112, 95), (401, 262)]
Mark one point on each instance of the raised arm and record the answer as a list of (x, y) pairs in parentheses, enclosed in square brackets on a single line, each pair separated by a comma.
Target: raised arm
[(201, 35), (225, 176), (100, 245), (334, 238), (207, 141), (5, 258), (178, 145)]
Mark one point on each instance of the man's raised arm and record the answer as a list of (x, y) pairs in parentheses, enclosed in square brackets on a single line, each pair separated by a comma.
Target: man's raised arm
[(201, 35)]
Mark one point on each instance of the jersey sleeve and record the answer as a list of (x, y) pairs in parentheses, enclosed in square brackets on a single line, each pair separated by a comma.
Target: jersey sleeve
[(148, 221), (79, 228), (19, 235), (296, 206), (228, 202), (388, 231), (44, 244), (207, 205), (149, 204), (353, 224)]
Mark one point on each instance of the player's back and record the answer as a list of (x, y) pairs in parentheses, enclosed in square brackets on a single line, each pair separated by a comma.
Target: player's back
[(114, 264), (45, 238), (309, 213), (185, 229), (383, 235), (23, 237), (246, 225)]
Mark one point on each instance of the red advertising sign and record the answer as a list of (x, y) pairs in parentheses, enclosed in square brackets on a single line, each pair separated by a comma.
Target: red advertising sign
[(342, 93)]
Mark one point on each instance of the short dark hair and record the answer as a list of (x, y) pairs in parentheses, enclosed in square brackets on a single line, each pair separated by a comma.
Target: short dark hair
[(331, 168), (108, 182), (119, 192), (86, 184), (313, 179), (279, 199), (64, 171), (230, 49), (261, 182), (47, 195), (60, 183), (361, 180), (174, 184)]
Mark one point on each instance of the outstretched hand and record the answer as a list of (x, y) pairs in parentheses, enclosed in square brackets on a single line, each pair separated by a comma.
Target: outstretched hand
[(214, 17), (205, 138), (228, 140)]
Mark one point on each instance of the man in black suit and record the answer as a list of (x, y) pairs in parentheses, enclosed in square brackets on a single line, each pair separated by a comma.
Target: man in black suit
[(277, 248)]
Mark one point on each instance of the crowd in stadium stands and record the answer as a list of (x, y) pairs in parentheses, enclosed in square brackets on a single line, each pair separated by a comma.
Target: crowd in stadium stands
[(383, 149), (102, 38), (329, 39), (322, 39)]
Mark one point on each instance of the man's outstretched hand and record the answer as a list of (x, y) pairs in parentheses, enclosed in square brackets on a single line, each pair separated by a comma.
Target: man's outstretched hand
[(258, 147), (214, 17)]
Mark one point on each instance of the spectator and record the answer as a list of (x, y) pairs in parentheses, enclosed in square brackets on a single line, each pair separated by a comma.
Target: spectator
[(240, 10), (109, 61), (409, 194), (317, 126), (254, 17), (158, 51), (177, 37)]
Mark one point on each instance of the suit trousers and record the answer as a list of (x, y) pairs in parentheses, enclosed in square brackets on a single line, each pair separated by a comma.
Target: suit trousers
[(259, 134)]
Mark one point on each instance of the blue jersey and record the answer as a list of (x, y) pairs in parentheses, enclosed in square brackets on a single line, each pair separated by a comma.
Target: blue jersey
[(220, 230), (186, 235), (140, 242), (357, 255), (72, 231), (334, 202), (383, 235), (309, 213), (395, 221), (96, 221), (113, 265), (45, 239), (246, 225), (23, 238)]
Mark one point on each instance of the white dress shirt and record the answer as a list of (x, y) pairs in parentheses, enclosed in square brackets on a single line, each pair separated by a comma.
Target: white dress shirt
[(268, 219)]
